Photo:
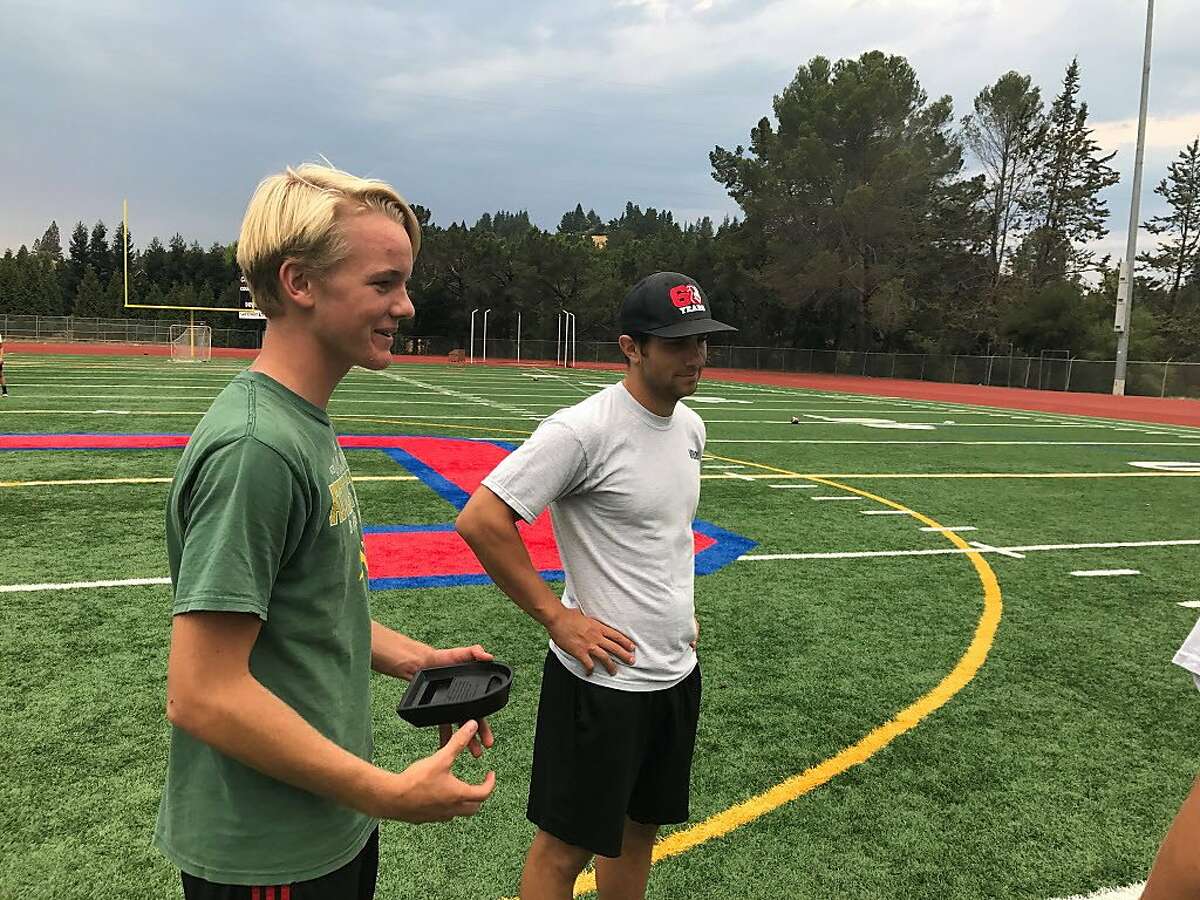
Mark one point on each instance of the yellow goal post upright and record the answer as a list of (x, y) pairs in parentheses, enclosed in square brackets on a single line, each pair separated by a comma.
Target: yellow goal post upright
[(198, 336)]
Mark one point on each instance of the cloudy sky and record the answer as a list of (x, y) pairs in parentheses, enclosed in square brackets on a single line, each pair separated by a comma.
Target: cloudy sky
[(475, 106)]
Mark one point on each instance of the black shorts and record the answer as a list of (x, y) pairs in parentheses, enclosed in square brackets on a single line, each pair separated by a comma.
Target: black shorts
[(353, 881), (602, 754)]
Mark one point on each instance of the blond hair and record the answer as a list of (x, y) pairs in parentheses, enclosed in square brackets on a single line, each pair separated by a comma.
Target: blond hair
[(295, 215)]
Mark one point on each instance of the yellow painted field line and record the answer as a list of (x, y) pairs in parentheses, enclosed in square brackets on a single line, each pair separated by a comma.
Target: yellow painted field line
[(82, 481), (908, 718)]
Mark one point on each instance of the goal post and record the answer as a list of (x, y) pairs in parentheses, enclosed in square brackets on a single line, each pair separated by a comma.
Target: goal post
[(191, 343)]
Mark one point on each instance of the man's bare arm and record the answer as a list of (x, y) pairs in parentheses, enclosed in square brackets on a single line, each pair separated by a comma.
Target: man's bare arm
[(488, 525), (396, 654)]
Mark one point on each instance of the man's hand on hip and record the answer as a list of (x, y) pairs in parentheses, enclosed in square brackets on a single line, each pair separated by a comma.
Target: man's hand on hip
[(589, 640)]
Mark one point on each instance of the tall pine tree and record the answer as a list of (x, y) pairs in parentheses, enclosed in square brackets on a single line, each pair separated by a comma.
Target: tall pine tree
[(49, 245), (118, 262), (1064, 207), (98, 255), (76, 263), (89, 299), (1179, 248), (1004, 132)]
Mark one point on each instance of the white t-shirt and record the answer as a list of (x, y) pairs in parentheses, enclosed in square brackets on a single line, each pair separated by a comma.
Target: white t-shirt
[(1189, 654), (622, 484)]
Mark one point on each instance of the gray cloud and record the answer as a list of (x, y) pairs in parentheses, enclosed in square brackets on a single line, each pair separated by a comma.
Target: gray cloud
[(475, 106)]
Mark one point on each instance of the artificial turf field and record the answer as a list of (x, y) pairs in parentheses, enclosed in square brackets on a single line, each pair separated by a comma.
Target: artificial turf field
[(966, 721)]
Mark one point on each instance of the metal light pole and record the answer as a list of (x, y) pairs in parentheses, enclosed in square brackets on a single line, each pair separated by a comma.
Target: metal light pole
[(518, 338), (485, 315), (1125, 304), (475, 310)]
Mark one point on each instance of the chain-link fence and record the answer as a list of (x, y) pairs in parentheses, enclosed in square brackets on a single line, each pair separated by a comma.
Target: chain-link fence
[(82, 329), (1052, 370)]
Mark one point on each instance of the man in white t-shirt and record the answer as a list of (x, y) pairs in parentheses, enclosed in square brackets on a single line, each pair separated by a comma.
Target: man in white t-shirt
[(620, 696), (1176, 872)]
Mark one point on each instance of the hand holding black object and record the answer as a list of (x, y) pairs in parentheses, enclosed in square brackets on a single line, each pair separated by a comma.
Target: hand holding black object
[(590, 640), (454, 656)]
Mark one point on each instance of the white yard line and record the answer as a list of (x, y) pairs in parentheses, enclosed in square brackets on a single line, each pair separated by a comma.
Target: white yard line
[(473, 399), (80, 585), (567, 381), (945, 528), (988, 548), (950, 551), (1130, 892), (334, 401), (933, 424), (100, 412), (1103, 573), (1195, 443)]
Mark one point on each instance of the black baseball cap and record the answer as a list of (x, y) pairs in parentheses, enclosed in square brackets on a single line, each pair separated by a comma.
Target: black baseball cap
[(669, 305)]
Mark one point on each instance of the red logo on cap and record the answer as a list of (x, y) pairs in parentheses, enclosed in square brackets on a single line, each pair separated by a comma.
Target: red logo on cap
[(685, 295)]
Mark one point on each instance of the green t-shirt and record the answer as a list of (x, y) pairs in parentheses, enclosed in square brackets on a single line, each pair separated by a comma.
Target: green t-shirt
[(262, 518)]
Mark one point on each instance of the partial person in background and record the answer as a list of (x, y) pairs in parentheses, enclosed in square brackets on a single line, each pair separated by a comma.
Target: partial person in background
[(3, 383), (270, 789), (1176, 872)]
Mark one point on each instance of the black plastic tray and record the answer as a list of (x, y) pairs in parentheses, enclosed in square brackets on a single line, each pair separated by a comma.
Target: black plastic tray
[(455, 694)]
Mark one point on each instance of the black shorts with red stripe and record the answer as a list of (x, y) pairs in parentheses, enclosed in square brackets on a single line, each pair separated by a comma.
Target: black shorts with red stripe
[(353, 881)]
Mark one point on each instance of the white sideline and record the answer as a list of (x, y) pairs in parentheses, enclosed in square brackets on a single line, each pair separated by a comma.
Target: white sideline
[(1130, 892), (950, 551), (81, 585)]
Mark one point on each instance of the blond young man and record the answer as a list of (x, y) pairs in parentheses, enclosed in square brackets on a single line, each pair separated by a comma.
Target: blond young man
[(620, 697), (270, 790)]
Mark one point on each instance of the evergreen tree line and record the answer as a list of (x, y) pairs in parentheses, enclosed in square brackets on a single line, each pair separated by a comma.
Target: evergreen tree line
[(872, 219)]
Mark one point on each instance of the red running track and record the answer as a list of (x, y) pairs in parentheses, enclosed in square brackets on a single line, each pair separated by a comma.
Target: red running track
[(1168, 411)]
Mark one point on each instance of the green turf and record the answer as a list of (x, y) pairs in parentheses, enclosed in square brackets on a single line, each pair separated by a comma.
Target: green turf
[(1053, 772)]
